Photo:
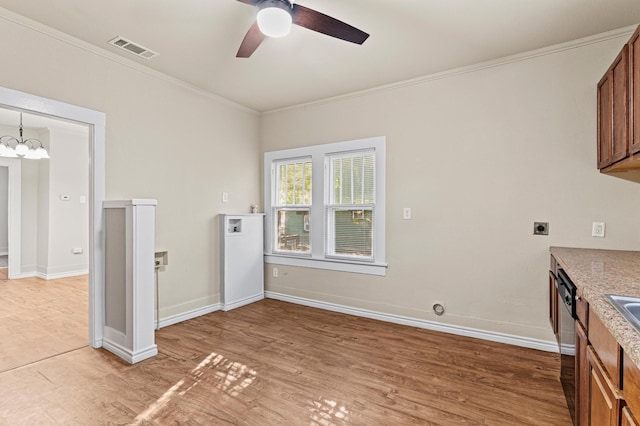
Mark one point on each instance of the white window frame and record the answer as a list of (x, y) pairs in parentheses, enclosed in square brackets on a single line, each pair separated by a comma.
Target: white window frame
[(317, 258)]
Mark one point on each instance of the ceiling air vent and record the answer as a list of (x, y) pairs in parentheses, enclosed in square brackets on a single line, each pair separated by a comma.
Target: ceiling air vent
[(131, 47)]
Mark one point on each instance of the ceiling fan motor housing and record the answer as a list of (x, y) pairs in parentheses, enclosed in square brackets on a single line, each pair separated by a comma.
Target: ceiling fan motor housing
[(281, 4)]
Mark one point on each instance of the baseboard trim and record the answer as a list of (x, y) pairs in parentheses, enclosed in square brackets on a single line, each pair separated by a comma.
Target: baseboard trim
[(127, 355), (59, 275), (245, 301), (174, 319), (509, 339), (21, 275)]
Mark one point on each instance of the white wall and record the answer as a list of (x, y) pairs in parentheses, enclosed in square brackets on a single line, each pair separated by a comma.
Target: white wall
[(164, 140), (64, 225), (479, 156), (4, 210)]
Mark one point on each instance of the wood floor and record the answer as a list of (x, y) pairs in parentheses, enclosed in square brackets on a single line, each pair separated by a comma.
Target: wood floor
[(275, 363), (39, 318)]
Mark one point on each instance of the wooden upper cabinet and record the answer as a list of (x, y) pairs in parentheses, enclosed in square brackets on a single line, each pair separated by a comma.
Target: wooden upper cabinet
[(620, 104), (613, 112), (605, 121), (634, 92)]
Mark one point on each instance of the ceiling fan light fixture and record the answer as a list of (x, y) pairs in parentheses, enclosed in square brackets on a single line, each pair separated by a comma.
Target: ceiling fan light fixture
[(274, 18)]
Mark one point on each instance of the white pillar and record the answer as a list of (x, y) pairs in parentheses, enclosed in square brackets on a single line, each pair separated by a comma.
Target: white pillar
[(129, 279)]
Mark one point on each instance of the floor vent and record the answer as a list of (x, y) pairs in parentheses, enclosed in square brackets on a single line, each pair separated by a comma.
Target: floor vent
[(131, 47)]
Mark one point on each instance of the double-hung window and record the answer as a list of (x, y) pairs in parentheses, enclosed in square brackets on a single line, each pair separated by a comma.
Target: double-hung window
[(325, 207)]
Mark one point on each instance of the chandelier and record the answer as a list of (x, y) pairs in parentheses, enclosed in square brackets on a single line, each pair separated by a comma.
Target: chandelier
[(12, 147)]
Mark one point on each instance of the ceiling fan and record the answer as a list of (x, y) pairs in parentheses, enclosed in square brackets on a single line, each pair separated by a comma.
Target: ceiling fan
[(275, 18)]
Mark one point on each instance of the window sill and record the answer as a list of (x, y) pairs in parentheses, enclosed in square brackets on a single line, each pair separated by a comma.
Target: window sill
[(379, 269)]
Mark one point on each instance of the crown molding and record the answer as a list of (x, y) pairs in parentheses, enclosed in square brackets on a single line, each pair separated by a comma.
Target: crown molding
[(544, 51), (25, 22)]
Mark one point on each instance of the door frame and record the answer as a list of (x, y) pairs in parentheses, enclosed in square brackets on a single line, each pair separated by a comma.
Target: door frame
[(95, 120)]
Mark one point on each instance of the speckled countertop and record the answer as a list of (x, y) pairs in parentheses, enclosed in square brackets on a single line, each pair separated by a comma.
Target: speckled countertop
[(599, 272)]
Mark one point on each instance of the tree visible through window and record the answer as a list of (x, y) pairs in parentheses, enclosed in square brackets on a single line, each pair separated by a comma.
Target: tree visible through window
[(294, 180)]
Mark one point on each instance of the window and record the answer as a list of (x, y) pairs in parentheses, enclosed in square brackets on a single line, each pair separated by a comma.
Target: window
[(325, 206), (351, 205), (292, 205)]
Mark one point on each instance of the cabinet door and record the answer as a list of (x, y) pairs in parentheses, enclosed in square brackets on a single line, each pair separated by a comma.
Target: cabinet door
[(582, 377), (604, 398), (627, 418), (634, 92), (605, 121), (613, 112), (631, 385), (620, 105)]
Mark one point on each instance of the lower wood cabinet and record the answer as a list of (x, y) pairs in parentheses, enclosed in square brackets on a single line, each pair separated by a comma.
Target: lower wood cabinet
[(631, 391), (627, 418), (582, 376), (604, 397), (607, 380)]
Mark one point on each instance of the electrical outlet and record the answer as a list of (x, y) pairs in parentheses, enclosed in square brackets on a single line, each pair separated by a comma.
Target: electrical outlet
[(275, 272), (406, 213), (597, 229), (540, 228), (225, 197)]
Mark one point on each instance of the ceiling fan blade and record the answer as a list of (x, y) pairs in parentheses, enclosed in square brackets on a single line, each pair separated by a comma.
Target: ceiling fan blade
[(251, 2), (250, 42), (316, 21)]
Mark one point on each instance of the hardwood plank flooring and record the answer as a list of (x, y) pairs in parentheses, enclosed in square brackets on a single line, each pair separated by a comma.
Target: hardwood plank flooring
[(275, 363), (40, 318)]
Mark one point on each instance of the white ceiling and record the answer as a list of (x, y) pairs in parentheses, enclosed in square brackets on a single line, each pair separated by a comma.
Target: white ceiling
[(198, 39)]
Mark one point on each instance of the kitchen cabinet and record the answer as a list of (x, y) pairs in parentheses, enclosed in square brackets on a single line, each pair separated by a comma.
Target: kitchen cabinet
[(613, 111), (604, 397), (607, 379), (619, 111), (604, 366), (627, 418), (582, 376), (631, 391), (607, 348), (634, 92)]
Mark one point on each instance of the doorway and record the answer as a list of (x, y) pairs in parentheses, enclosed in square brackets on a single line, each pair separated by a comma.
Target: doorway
[(95, 121), (44, 300)]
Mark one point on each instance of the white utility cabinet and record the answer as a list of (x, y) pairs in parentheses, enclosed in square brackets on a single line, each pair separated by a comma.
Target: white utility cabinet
[(129, 279), (242, 259)]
